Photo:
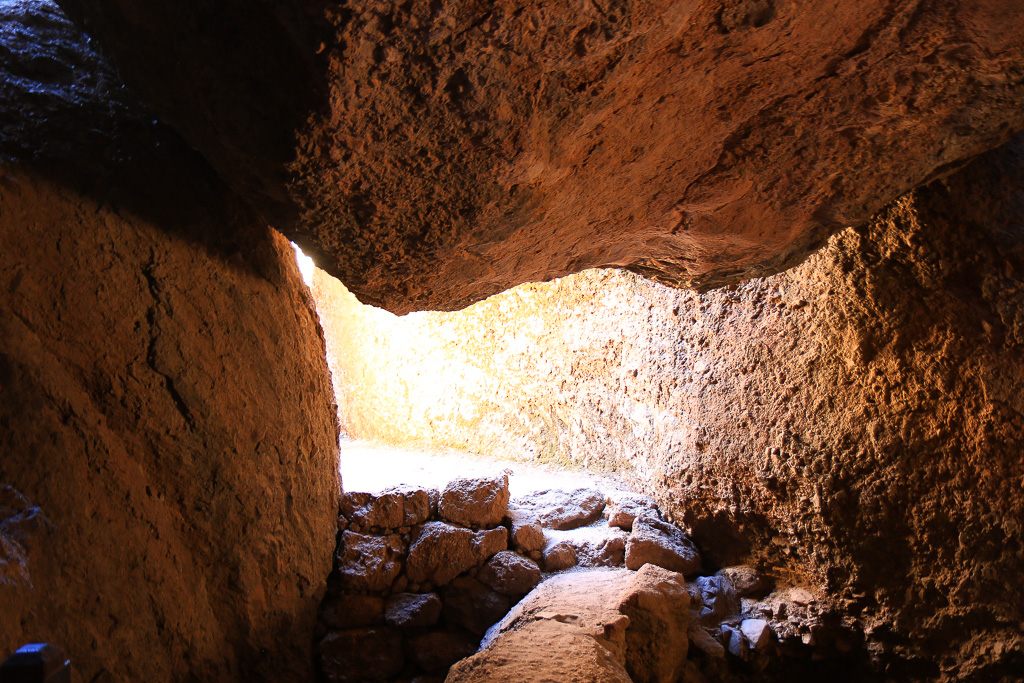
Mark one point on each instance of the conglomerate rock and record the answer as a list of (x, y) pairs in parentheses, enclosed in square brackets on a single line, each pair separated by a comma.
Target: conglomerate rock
[(432, 153), (854, 423), (168, 447)]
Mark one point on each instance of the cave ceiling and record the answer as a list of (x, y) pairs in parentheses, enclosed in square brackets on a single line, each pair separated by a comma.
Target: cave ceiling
[(430, 154)]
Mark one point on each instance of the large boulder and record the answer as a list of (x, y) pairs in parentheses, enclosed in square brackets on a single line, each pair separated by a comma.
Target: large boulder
[(608, 625), (168, 443), (432, 154)]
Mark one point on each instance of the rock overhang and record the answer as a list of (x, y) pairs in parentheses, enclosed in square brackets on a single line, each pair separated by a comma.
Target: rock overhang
[(430, 155)]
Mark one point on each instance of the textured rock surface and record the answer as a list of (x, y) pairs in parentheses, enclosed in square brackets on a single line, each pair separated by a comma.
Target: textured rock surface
[(165, 412), (409, 610), (441, 152), (595, 625), (440, 553), (437, 651), (470, 604), (856, 420), (474, 502), (369, 563), (510, 574), (557, 509), (654, 541)]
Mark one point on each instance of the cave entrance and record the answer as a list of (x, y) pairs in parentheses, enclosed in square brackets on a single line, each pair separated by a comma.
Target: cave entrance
[(491, 448)]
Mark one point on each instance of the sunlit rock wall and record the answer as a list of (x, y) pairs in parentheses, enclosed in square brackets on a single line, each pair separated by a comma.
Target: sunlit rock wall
[(168, 444), (855, 422)]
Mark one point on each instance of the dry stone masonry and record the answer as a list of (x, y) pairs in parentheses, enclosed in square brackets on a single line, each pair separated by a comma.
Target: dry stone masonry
[(423, 578)]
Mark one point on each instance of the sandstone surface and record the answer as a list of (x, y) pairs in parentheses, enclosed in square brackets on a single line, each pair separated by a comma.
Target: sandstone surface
[(168, 445), (432, 154)]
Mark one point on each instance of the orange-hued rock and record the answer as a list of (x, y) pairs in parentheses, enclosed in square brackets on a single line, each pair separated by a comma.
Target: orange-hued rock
[(168, 448), (607, 625), (431, 154), (854, 424)]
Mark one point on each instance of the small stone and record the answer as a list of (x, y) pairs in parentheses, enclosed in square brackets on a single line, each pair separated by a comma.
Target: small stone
[(559, 556), (440, 553), (435, 652), (527, 534), (717, 597), (703, 641), (369, 563), (510, 574), (735, 643), (346, 611), (342, 522), (410, 610), (487, 543), (801, 596), (757, 632), (417, 504), (654, 541), (362, 654), (384, 511), (471, 604), (475, 502), (562, 510), (622, 508), (747, 580)]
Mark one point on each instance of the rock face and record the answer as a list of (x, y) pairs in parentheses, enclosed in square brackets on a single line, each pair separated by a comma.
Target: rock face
[(168, 449), (432, 154), (869, 399)]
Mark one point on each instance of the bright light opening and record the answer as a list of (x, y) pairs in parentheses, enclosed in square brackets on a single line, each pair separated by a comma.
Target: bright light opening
[(306, 266)]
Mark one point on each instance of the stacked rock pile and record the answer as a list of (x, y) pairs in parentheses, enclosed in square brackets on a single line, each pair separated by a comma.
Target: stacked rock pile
[(421, 576)]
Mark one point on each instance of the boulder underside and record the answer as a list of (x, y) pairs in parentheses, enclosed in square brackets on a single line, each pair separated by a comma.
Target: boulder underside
[(432, 154)]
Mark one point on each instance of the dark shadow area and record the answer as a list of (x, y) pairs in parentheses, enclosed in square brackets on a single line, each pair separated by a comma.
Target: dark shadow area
[(65, 116)]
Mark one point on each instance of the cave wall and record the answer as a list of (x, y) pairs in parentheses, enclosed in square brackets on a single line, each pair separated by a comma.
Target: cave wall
[(168, 440), (852, 424)]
